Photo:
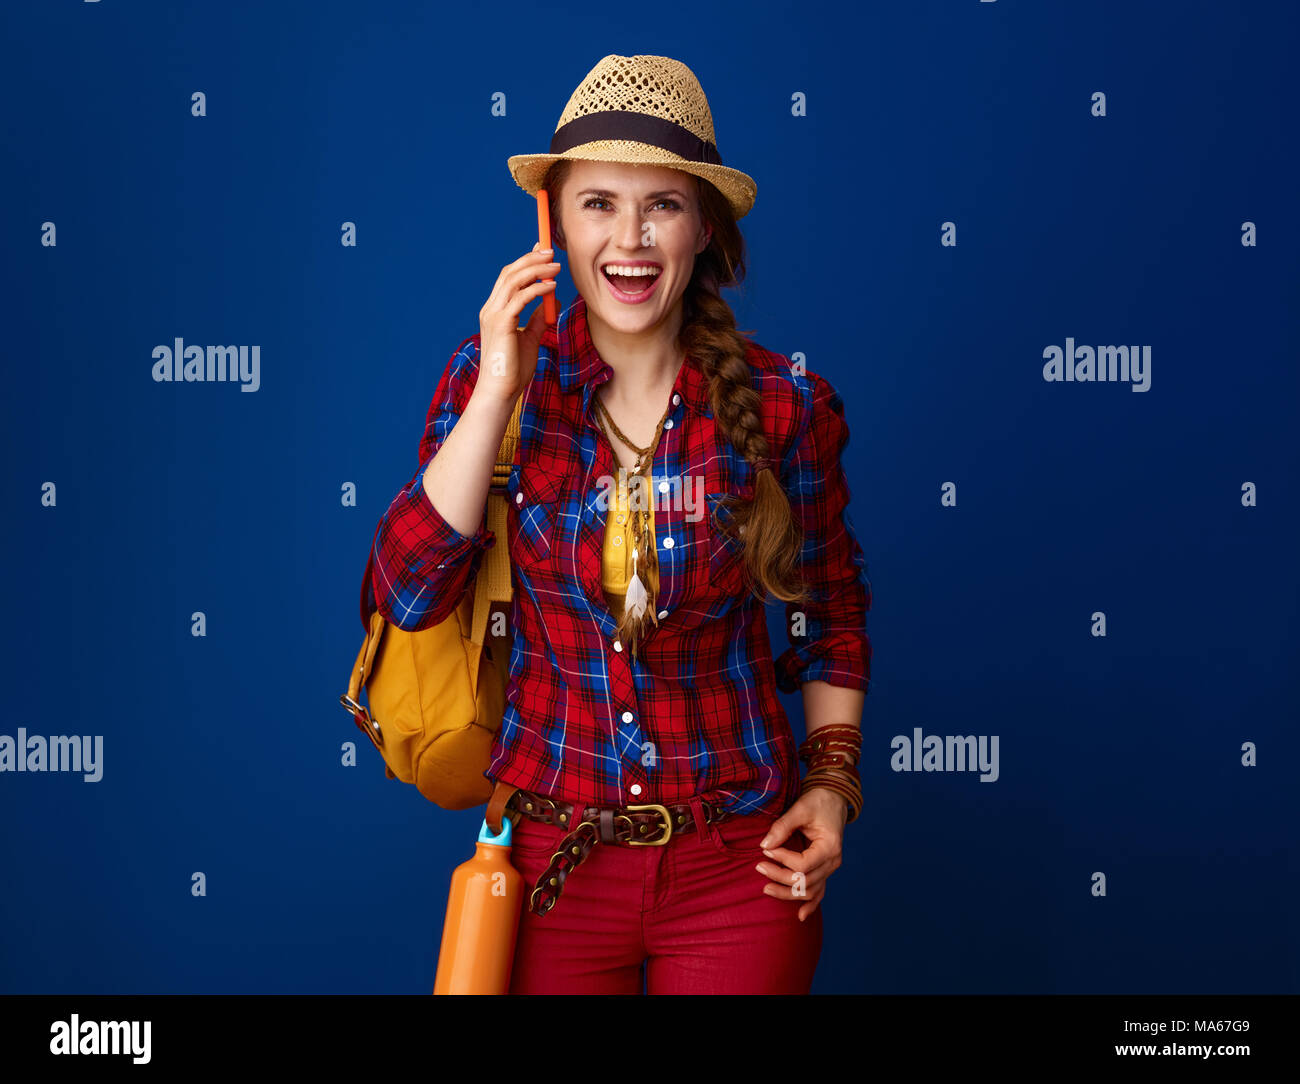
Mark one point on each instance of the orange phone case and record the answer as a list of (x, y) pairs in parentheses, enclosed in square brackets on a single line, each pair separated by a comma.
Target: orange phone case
[(544, 235)]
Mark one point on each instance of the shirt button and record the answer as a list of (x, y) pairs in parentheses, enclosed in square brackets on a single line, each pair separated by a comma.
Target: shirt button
[(620, 519), (618, 540), (668, 424), (627, 716), (663, 487), (635, 789), (676, 399), (618, 646), (519, 498), (668, 543), (663, 614)]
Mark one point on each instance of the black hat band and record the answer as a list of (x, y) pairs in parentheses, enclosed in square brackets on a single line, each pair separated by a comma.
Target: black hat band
[(642, 127)]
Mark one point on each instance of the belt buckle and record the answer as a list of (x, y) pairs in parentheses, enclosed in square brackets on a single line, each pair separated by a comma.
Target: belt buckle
[(668, 826)]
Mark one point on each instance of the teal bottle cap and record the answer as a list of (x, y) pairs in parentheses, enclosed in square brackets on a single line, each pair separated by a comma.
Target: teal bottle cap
[(503, 840)]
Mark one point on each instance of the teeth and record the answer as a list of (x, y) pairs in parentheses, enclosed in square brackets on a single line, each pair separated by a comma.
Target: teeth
[(630, 272)]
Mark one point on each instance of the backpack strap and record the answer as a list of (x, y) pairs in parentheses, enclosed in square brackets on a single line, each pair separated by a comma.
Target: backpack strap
[(493, 581)]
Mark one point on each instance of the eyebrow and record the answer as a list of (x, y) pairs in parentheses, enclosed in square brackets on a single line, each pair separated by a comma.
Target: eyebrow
[(606, 194)]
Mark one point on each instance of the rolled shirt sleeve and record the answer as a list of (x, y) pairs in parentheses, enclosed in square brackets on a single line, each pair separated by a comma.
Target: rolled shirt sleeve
[(828, 634), (420, 566)]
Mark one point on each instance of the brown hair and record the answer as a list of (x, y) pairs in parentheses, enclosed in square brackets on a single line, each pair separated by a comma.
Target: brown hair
[(765, 525)]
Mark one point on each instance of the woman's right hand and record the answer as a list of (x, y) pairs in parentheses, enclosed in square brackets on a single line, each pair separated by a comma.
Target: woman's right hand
[(508, 354)]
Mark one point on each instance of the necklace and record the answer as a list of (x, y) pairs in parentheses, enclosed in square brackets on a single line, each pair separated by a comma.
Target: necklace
[(643, 454), (638, 601)]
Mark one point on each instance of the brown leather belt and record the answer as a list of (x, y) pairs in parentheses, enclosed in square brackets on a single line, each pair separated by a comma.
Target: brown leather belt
[(650, 825)]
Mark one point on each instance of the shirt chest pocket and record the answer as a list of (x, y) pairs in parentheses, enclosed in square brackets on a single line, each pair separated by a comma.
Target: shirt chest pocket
[(724, 554), (537, 497)]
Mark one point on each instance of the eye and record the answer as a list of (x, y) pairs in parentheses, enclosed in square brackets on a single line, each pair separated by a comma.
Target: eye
[(672, 203)]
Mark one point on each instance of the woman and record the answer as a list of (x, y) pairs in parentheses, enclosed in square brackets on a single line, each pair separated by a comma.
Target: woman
[(670, 475)]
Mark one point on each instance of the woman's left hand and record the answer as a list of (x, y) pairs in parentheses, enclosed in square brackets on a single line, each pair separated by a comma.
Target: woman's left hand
[(821, 815)]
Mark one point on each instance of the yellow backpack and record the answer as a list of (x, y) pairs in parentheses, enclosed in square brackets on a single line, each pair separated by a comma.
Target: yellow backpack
[(437, 695)]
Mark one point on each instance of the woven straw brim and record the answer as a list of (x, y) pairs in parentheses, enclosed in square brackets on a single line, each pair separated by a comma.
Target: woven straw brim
[(529, 170)]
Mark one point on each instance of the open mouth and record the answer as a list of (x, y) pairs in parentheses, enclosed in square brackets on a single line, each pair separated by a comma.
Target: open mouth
[(634, 286)]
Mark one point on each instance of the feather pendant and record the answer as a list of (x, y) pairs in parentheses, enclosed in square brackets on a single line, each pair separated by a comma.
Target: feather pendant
[(635, 601)]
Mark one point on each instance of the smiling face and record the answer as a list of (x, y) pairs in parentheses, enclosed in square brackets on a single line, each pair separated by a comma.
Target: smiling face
[(643, 220)]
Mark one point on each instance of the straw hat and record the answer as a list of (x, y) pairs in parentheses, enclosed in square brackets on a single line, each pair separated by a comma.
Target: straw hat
[(649, 110)]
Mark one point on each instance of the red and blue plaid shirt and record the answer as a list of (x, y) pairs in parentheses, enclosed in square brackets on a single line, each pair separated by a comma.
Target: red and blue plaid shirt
[(697, 712)]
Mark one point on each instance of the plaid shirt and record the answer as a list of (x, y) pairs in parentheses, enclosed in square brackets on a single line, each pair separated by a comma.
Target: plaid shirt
[(697, 713)]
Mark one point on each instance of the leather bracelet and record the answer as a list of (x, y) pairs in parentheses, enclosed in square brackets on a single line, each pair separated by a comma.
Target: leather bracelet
[(838, 739), (839, 761), (847, 787), (847, 734), (849, 781), (832, 753), (850, 791)]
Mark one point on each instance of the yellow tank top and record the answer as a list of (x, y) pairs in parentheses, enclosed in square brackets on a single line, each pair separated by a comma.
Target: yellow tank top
[(616, 558)]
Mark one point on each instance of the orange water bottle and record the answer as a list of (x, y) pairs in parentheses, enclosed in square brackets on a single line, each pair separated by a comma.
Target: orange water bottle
[(478, 936)]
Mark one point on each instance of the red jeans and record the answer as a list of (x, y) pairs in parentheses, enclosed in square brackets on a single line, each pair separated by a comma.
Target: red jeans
[(692, 912)]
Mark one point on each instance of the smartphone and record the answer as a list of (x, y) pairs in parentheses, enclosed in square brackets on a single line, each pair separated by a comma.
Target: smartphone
[(544, 235)]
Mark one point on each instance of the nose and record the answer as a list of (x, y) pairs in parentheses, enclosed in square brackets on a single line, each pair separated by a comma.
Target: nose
[(627, 232)]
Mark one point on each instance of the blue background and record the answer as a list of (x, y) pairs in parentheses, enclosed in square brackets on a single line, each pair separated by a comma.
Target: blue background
[(222, 754)]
